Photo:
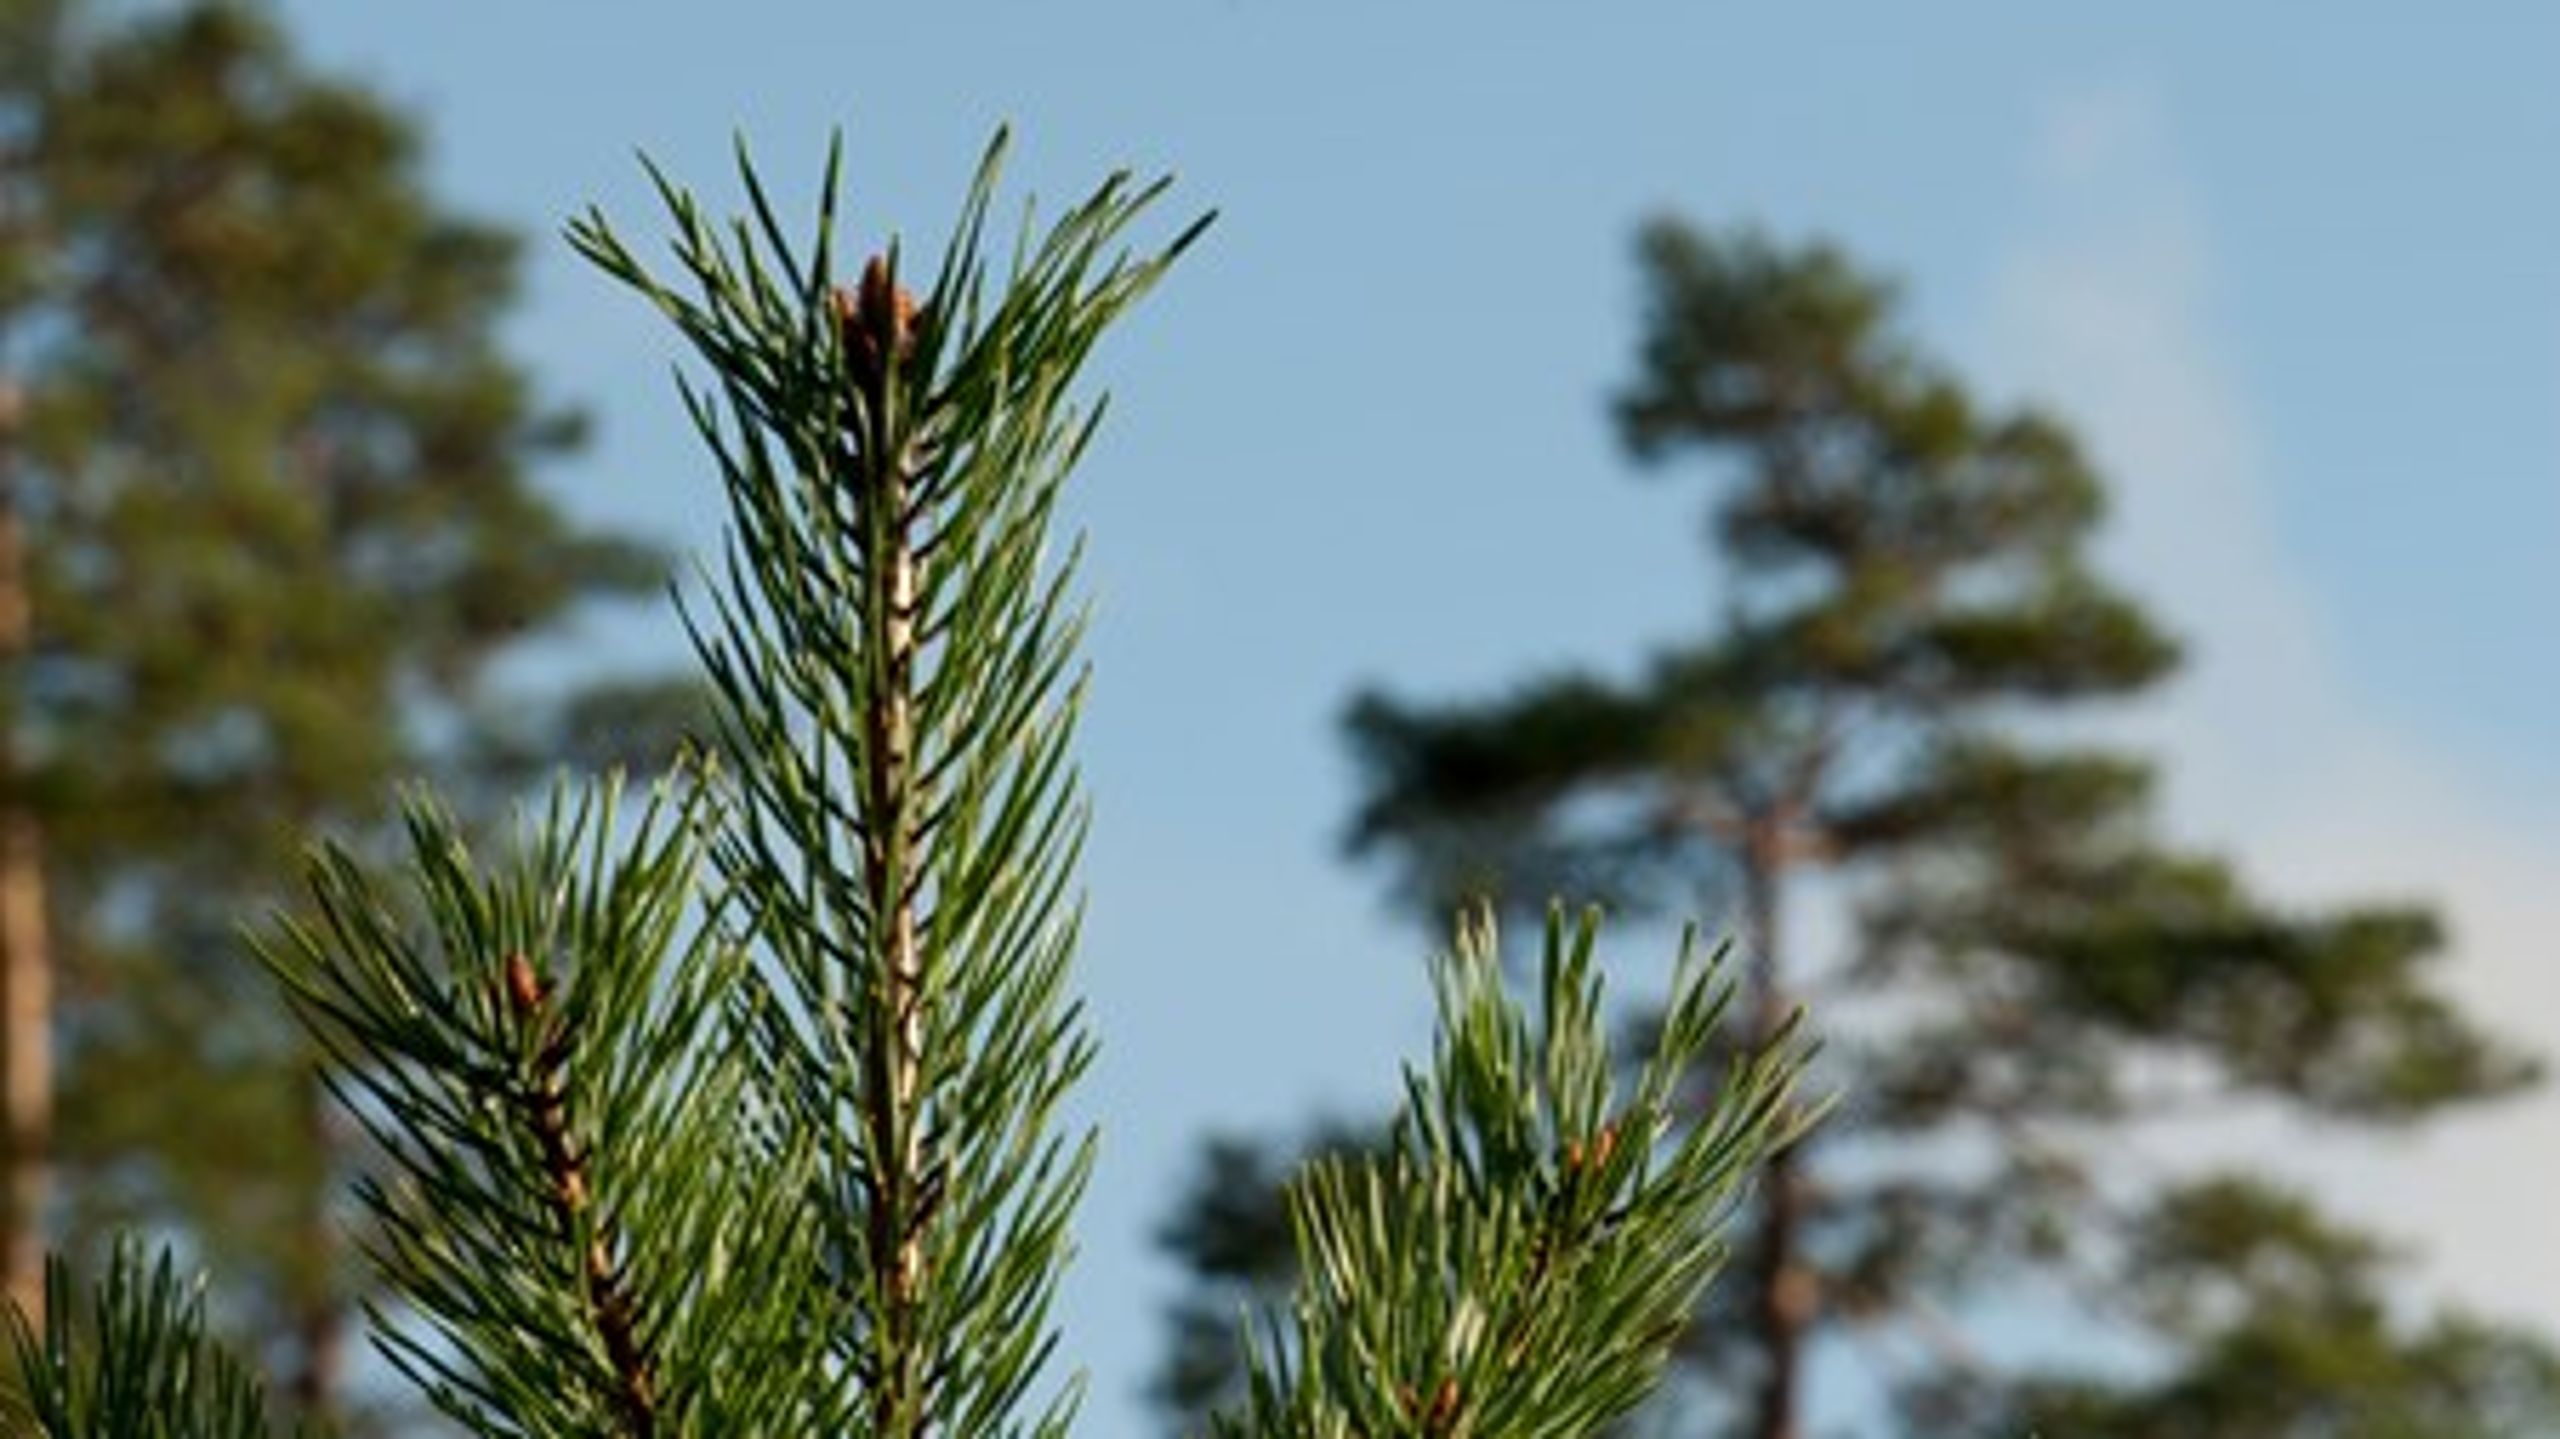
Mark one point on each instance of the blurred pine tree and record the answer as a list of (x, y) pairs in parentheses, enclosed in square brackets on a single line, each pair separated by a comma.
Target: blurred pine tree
[(266, 514)]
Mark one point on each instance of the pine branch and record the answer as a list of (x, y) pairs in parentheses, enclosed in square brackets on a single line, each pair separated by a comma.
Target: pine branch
[(1522, 1257), (141, 1367), (541, 1102), (892, 656), (588, 1207)]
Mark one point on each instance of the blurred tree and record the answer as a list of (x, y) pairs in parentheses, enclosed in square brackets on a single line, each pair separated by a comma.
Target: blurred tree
[(2286, 1326), (264, 519), (2029, 975)]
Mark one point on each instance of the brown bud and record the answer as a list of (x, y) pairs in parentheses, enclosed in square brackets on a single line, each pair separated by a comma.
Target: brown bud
[(888, 306), (876, 322), (1444, 1405), (524, 987)]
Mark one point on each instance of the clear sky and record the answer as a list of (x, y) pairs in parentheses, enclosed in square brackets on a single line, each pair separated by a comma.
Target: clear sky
[(2294, 272)]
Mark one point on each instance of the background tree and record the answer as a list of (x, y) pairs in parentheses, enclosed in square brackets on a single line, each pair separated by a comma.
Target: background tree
[(2031, 973), (2287, 1326), (265, 517)]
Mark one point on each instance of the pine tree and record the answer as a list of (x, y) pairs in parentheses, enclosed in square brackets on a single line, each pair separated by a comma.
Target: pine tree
[(265, 516), (741, 1115), (2031, 970)]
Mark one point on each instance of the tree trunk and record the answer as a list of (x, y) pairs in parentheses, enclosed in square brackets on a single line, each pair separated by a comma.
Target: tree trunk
[(311, 1284), (26, 959), (26, 1036), (320, 1331), (1782, 1288)]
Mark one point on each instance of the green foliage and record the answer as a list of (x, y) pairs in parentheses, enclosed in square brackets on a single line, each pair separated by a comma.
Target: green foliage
[(895, 691), (742, 1117), (581, 1201), (1237, 1247), (141, 1367), (1521, 1256)]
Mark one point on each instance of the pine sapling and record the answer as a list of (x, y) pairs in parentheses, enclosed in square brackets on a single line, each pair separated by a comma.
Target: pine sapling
[(741, 1114)]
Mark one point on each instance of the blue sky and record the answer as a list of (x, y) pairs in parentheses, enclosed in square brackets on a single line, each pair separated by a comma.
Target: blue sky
[(2297, 281)]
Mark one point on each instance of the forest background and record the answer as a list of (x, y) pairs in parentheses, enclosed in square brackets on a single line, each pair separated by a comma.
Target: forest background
[(2296, 286)]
